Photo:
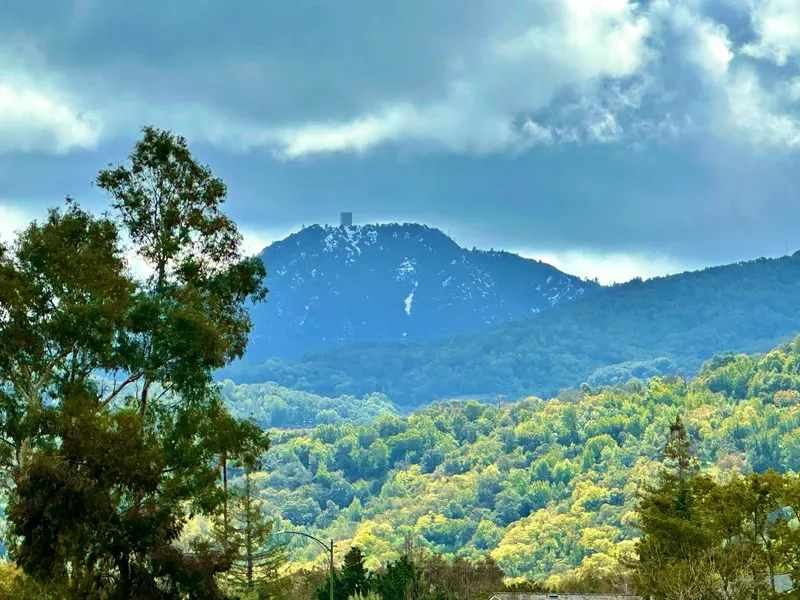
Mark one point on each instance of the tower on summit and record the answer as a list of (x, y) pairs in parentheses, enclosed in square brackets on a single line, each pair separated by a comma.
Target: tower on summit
[(346, 219)]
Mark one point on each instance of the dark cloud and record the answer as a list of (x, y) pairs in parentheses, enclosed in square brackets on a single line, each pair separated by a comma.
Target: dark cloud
[(698, 196), (276, 60), (698, 207)]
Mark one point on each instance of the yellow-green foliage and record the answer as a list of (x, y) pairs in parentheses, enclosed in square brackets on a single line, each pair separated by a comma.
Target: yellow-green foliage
[(15, 585), (547, 488)]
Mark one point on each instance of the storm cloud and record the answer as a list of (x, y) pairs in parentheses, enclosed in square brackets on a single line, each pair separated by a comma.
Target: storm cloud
[(663, 133)]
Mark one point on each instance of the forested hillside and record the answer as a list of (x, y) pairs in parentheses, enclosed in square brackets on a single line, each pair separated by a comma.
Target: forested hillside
[(270, 405), (549, 488), (667, 324)]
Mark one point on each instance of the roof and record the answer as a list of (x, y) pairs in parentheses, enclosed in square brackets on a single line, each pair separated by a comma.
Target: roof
[(543, 596)]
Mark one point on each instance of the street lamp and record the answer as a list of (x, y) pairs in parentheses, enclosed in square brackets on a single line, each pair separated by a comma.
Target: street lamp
[(328, 549)]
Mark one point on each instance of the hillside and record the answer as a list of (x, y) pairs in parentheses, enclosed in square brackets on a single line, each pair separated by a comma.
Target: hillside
[(547, 488), (335, 285), (667, 324), (270, 405)]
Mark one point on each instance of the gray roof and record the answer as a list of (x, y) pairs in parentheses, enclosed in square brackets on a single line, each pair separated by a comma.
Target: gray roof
[(541, 596)]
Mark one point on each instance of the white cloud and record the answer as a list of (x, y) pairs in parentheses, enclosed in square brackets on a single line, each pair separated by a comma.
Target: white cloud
[(741, 105), (12, 220), (255, 240), (761, 114), (584, 43), (609, 268), (777, 25), (354, 136), (563, 71), (37, 111), (578, 71)]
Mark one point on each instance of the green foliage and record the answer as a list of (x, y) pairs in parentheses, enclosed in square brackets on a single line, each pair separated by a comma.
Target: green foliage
[(640, 329), (245, 534), (104, 473), (549, 489), (15, 585), (270, 405), (415, 575), (705, 539)]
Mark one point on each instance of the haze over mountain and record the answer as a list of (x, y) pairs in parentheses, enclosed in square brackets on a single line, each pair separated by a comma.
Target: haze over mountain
[(640, 328), (331, 286)]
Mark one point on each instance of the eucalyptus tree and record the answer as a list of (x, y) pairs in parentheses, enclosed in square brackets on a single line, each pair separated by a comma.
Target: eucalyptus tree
[(111, 426)]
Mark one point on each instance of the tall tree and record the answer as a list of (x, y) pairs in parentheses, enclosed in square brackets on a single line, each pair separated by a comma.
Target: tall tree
[(678, 456), (674, 537), (354, 578), (245, 534), (111, 422)]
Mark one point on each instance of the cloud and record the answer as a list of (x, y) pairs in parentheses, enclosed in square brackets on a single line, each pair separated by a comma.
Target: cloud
[(445, 77), (12, 220), (744, 102), (515, 73), (37, 112), (611, 267), (777, 25)]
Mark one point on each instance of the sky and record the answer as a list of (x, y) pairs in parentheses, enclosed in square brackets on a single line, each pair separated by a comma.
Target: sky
[(611, 138)]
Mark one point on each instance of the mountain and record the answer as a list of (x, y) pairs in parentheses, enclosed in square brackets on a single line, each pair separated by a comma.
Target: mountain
[(331, 286), (548, 488), (642, 328)]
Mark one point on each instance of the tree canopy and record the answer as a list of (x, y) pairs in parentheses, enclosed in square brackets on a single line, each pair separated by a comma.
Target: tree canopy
[(548, 488), (110, 422)]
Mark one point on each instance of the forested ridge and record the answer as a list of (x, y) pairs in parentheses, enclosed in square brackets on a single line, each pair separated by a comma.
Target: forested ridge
[(547, 488), (668, 324), (272, 406)]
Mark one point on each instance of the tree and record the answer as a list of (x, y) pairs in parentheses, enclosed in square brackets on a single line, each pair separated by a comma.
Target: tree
[(353, 579), (111, 422), (678, 455), (401, 581), (354, 574), (674, 537), (244, 533)]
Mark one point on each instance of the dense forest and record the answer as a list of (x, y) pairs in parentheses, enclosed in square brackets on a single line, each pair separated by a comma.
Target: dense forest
[(548, 488), (666, 324), (270, 405)]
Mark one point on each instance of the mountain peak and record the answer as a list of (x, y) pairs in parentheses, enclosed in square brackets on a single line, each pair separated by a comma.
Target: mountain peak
[(354, 236), (332, 285)]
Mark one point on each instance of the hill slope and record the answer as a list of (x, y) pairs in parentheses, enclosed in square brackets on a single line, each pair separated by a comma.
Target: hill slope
[(677, 322), (547, 488), (335, 285)]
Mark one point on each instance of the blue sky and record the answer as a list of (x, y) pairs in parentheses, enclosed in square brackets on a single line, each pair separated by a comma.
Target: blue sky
[(609, 137)]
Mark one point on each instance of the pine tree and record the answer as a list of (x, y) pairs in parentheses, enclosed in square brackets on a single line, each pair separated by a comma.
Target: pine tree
[(675, 537), (678, 455), (244, 533), (354, 574)]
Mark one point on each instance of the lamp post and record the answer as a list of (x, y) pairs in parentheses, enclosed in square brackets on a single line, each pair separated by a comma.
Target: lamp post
[(328, 549)]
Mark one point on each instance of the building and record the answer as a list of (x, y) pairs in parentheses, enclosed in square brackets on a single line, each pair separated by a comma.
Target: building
[(541, 596), (346, 219)]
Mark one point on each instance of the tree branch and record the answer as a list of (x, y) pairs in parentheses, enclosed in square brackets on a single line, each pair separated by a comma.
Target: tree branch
[(121, 387)]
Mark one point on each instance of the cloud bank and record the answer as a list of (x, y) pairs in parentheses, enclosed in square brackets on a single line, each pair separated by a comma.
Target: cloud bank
[(473, 77), (638, 129)]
